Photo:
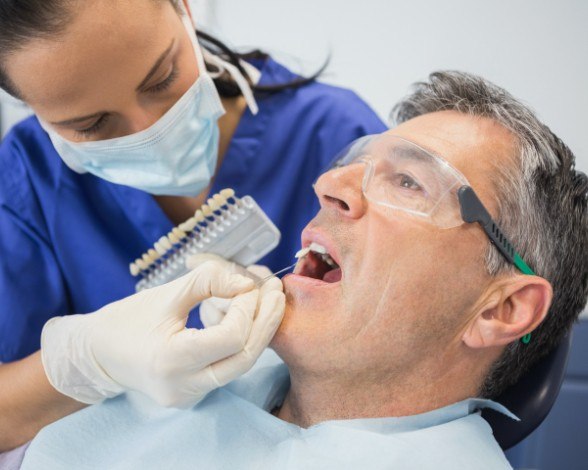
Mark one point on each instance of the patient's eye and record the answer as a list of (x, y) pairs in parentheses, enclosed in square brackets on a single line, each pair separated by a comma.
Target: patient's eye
[(408, 182)]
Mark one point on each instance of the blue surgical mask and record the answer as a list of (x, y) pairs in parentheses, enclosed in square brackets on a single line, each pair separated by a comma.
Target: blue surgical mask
[(176, 156)]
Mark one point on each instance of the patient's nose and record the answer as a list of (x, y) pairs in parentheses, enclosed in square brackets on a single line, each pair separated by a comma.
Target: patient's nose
[(340, 189)]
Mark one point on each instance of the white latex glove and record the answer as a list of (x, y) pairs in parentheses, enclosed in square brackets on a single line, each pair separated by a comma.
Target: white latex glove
[(213, 310), (140, 343)]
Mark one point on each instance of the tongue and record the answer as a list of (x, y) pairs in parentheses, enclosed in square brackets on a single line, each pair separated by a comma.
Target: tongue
[(332, 276)]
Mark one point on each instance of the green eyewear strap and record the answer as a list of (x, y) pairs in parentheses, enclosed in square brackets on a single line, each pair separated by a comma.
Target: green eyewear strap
[(473, 211)]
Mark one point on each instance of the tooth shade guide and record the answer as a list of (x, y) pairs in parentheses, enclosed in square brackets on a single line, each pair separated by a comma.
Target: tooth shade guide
[(235, 228)]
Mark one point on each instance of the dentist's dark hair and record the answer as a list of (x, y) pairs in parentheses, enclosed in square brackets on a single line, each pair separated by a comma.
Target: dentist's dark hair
[(24, 20), (543, 208)]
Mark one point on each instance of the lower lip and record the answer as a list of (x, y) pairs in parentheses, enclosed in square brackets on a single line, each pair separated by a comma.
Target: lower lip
[(307, 282)]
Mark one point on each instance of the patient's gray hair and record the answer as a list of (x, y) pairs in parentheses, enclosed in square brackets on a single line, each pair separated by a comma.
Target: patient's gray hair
[(542, 208)]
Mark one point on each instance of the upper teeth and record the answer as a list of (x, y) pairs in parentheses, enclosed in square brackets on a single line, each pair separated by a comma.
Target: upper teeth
[(320, 250)]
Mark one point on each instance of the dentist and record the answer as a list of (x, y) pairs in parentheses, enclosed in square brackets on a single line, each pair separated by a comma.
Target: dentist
[(137, 120)]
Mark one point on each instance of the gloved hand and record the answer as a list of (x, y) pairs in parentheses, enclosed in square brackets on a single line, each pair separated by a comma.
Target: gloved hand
[(140, 343), (213, 310)]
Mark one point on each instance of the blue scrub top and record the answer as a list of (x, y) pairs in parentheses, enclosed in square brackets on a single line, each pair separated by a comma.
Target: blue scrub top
[(66, 240)]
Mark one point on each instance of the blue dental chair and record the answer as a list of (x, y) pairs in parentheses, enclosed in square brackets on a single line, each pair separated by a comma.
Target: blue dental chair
[(531, 398)]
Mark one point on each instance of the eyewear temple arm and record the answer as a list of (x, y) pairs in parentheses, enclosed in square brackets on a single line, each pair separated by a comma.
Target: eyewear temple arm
[(472, 210)]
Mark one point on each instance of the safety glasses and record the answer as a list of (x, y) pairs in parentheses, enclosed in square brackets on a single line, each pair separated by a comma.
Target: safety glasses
[(402, 175)]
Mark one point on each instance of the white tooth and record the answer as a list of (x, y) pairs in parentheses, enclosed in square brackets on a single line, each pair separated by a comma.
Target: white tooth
[(318, 248), (206, 210), (212, 204), (199, 216), (327, 259), (160, 249), (141, 264), (188, 225), (134, 269), (172, 238), (302, 253), (220, 200), (180, 234), (165, 243), (227, 193)]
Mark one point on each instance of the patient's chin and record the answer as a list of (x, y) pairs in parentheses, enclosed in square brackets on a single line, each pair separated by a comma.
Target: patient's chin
[(284, 337)]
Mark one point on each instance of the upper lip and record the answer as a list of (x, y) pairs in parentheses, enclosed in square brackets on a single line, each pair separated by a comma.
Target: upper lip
[(313, 234)]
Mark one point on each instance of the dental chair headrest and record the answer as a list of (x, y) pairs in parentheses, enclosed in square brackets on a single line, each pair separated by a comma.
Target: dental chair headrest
[(531, 398)]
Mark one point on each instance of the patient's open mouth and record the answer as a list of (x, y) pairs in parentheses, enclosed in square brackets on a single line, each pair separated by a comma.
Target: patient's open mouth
[(316, 263)]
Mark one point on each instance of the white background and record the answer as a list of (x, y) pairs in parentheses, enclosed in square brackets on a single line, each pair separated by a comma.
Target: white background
[(537, 49)]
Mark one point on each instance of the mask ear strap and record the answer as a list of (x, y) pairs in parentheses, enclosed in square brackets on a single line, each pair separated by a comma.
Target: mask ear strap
[(240, 80)]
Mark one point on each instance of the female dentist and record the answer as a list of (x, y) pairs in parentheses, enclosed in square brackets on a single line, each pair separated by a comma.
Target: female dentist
[(137, 122)]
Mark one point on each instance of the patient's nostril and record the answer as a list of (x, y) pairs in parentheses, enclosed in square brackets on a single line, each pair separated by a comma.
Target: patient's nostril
[(342, 204)]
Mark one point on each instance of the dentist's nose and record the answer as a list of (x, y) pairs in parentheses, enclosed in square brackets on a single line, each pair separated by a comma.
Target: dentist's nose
[(340, 189)]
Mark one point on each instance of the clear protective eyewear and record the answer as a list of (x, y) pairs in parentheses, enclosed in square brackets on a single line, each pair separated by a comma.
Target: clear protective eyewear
[(402, 175)]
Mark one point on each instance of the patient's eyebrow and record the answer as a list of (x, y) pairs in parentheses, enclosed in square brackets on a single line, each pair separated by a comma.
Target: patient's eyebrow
[(156, 66), (411, 153)]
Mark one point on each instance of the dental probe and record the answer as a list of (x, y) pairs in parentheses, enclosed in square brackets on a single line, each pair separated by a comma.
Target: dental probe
[(300, 254), (261, 281)]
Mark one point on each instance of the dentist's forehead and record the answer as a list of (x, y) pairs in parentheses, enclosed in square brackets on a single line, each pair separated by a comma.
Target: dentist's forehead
[(106, 43)]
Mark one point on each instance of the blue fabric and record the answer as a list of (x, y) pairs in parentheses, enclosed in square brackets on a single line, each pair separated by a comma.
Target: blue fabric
[(66, 239), (233, 429)]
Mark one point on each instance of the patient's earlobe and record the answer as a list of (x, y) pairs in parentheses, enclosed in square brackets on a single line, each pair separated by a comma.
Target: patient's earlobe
[(516, 308)]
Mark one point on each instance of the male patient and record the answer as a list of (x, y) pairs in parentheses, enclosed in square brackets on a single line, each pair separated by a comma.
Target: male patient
[(396, 338)]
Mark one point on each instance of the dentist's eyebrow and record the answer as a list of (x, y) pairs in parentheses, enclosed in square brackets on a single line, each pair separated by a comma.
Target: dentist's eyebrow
[(156, 66), (70, 122), (152, 72)]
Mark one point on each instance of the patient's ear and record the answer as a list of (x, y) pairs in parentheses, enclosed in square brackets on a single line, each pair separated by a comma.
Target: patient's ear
[(512, 308)]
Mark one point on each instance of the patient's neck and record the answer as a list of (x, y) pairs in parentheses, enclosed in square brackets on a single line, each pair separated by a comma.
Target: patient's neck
[(315, 398)]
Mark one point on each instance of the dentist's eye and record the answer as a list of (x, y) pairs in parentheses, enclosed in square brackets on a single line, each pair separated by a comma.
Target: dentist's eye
[(94, 128), (165, 84)]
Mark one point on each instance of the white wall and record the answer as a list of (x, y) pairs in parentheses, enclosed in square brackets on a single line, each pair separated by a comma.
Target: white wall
[(537, 49), (11, 112)]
